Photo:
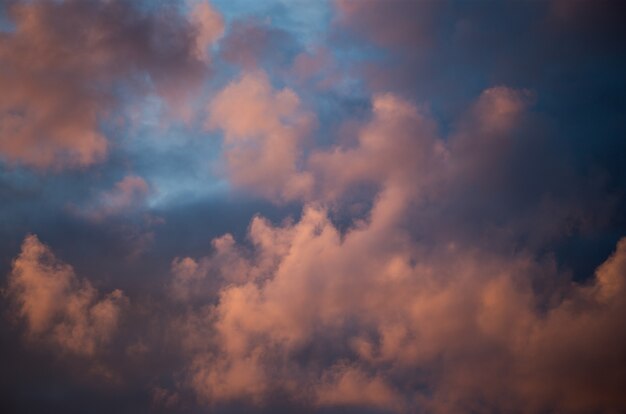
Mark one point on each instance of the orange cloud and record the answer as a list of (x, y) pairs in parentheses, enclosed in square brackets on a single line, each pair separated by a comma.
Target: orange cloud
[(378, 308), (59, 308), (371, 317), (264, 131), (398, 147)]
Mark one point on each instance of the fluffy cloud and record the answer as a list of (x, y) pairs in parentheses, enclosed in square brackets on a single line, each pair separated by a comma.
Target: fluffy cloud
[(423, 322), (431, 260), (57, 307), (422, 329), (459, 180), (398, 147), (198, 280), (264, 131), (65, 64)]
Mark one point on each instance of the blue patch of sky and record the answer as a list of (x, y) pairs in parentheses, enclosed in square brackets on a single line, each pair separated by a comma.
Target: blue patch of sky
[(6, 25), (179, 161), (307, 20)]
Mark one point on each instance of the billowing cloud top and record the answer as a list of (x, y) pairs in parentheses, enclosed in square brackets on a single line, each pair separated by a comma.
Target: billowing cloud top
[(343, 206)]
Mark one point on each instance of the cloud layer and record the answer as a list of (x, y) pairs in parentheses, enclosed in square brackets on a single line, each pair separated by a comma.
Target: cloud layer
[(336, 207)]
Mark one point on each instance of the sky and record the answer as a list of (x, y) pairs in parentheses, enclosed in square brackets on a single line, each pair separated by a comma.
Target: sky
[(316, 206)]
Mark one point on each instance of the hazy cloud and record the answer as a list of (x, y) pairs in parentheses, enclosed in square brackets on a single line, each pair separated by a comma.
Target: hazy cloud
[(66, 61)]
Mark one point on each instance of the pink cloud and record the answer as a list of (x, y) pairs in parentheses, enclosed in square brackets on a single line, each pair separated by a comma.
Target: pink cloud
[(348, 386), (64, 61), (378, 308), (399, 147), (210, 27), (59, 308), (438, 327), (264, 132)]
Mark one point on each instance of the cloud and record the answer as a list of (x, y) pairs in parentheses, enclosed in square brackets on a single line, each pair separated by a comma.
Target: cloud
[(498, 108), (424, 321), (398, 147), (124, 211), (397, 24), (438, 329), (127, 195), (412, 196), (69, 65), (319, 68), (210, 27), (348, 386), (194, 281), (250, 43), (472, 182), (264, 132), (59, 308)]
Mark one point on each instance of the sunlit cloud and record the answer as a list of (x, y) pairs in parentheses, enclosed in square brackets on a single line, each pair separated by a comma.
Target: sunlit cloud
[(312, 206), (57, 306)]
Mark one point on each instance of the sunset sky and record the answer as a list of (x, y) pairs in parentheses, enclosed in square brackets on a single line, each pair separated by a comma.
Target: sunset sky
[(312, 206)]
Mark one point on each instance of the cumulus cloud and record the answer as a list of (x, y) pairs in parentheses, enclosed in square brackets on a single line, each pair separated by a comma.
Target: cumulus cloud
[(264, 132), (398, 147), (438, 329), (65, 63), (425, 267), (472, 183), (422, 322), (57, 307), (198, 280)]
